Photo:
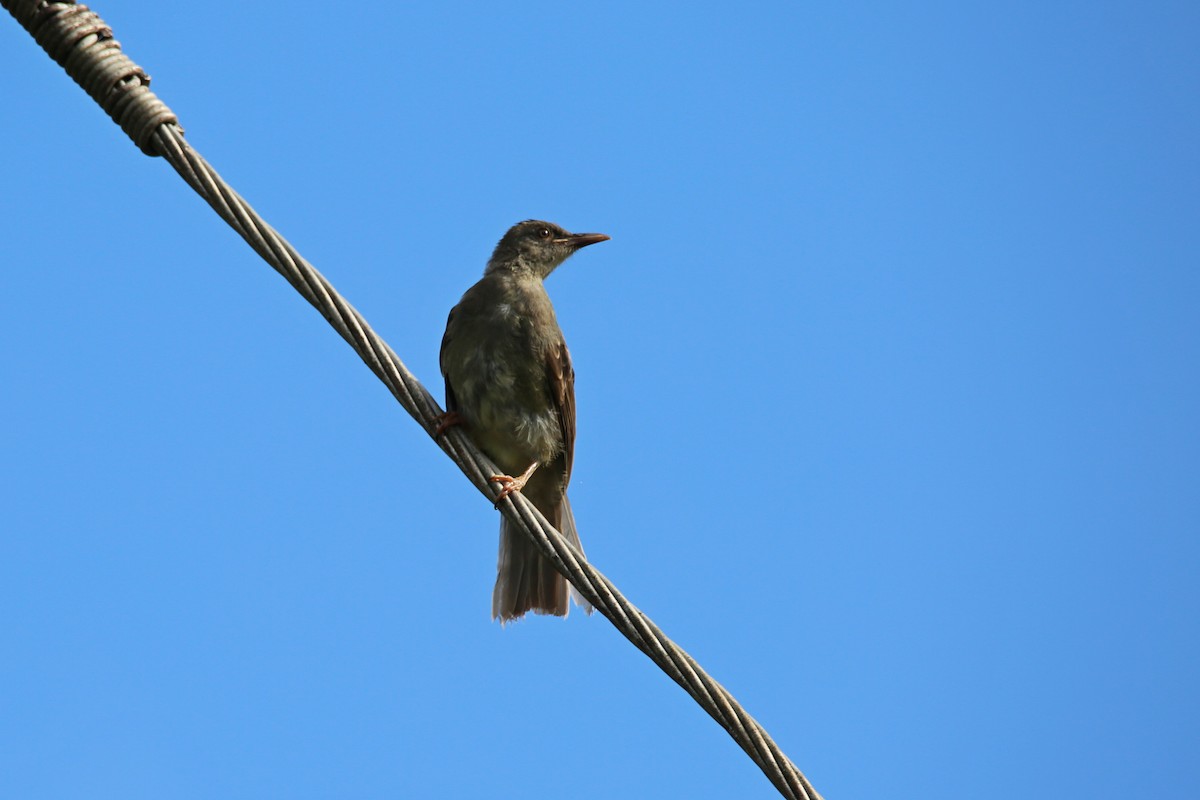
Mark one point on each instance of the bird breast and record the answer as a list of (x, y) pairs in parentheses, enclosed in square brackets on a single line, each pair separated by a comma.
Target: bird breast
[(502, 388)]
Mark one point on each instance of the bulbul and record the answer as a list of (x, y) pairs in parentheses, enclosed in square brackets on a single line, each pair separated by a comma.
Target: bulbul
[(510, 384)]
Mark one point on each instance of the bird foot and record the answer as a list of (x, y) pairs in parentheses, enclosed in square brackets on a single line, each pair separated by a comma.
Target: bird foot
[(511, 484), (446, 421)]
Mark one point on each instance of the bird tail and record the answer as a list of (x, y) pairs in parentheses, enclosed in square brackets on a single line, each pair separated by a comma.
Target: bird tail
[(525, 581)]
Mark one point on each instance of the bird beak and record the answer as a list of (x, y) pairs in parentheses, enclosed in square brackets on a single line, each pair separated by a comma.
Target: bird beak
[(578, 240)]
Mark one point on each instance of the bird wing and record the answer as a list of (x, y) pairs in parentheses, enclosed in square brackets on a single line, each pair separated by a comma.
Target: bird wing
[(561, 376), (451, 401)]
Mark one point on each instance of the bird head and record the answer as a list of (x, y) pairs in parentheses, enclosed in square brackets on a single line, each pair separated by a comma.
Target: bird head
[(538, 247)]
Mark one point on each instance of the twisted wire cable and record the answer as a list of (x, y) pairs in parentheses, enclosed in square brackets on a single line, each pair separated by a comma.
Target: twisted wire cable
[(83, 45)]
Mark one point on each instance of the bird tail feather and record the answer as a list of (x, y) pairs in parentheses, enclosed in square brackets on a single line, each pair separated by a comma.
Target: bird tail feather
[(525, 581)]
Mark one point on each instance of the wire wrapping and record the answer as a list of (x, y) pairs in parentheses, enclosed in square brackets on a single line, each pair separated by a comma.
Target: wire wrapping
[(82, 44)]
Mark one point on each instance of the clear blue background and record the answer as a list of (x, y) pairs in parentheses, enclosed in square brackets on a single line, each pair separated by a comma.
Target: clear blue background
[(887, 389)]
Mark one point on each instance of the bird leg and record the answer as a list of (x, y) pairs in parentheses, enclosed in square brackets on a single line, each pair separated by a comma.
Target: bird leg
[(512, 484), (446, 421)]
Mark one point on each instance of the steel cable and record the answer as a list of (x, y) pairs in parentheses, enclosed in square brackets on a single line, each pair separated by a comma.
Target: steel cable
[(83, 45)]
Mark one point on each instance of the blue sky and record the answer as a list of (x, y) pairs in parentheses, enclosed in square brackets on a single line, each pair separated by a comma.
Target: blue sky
[(887, 392)]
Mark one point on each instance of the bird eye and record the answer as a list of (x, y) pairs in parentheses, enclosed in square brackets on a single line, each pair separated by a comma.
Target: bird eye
[(544, 233)]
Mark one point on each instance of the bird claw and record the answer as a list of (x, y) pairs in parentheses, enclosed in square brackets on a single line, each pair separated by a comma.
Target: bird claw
[(511, 484), (446, 421)]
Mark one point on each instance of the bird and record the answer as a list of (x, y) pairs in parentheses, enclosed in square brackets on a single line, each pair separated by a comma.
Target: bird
[(510, 384)]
